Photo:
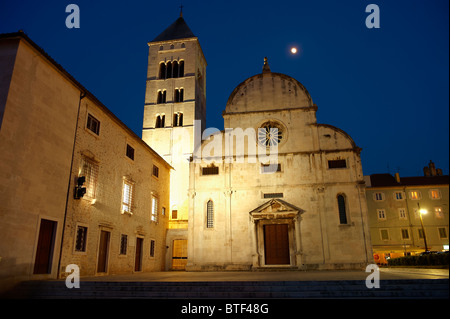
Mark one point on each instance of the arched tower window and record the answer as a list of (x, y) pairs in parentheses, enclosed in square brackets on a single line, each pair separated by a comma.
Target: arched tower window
[(162, 70), (158, 121), (210, 214), (342, 209), (180, 119), (163, 120), (169, 70), (175, 69), (181, 67)]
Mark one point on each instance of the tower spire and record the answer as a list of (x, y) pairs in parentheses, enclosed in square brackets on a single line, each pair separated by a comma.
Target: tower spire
[(266, 67), (181, 10)]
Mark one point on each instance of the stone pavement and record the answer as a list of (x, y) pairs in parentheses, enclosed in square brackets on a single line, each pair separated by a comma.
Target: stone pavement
[(322, 275)]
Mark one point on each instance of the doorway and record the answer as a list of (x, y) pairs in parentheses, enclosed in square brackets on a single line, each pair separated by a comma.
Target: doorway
[(179, 254), (45, 246), (138, 256), (102, 265), (276, 244)]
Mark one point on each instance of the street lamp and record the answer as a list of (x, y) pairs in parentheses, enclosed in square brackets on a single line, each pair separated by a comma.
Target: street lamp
[(423, 212)]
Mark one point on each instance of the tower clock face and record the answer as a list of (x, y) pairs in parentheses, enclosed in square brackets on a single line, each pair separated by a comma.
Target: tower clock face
[(270, 134)]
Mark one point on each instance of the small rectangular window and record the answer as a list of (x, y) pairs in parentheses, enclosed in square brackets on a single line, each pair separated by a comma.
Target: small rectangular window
[(127, 196), (130, 152), (80, 243), (341, 163), (152, 248), (442, 233), (398, 195), (402, 213), (123, 244), (384, 233), (415, 195), (273, 195), (93, 124), (381, 213), (435, 194), (155, 171), (174, 214), (154, 217), (211, 170), (378, 196), (270, 168), (405, 234), (439, 212)]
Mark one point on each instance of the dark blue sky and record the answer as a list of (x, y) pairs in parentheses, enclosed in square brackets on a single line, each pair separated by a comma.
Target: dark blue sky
[(387, 87)]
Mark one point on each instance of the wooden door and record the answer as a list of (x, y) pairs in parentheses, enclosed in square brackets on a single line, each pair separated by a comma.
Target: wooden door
[(179, 254), (45, 246), (276, 244), (138, 256), (103, 251)]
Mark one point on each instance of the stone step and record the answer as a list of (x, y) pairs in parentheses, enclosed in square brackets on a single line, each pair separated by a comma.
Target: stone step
[(425, 288)]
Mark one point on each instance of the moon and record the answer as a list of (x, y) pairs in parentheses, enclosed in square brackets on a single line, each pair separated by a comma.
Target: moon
[(294, 50)]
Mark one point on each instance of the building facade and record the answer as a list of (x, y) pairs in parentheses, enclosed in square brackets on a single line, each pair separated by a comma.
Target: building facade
[(276, 188), (78, 186), (174, 117), (397, 205)]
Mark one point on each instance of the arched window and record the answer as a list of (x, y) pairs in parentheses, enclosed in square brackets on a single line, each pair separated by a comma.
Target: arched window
[(177, 95), (210, 214), (158, 121), (162, 70), (163, 100), (175, 120), (163, 120), (175, 69), (181, 99), (169, 70), (342, 209), (159, 99), (180, 119), (181, 67)]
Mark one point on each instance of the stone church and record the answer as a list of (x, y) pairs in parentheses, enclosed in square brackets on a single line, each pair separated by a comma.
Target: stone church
[(275, 189)]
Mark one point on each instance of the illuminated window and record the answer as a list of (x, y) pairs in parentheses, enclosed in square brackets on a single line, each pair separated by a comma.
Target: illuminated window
[(414, 195), (210, 214), (127, 196), (154, 217), (439, 212), (93, 124), (381, 214), (342, 210), (435, 194), (89, 170)]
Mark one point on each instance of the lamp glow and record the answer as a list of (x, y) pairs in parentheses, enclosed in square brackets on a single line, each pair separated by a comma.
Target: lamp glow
[(423, 211), (294, 50)]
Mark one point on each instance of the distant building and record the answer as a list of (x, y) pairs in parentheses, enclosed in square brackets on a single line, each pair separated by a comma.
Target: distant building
[(394, 219), (77, 185)]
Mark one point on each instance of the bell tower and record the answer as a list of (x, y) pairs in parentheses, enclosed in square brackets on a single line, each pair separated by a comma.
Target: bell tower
[(175, 105)]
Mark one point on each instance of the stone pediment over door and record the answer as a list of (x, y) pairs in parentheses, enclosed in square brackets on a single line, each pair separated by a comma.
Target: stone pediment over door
[(276, 209)]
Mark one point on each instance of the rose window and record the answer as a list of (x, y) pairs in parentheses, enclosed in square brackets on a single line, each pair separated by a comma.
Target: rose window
[(270, 134)]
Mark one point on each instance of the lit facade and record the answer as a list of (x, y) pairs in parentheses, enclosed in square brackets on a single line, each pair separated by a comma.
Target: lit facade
[(394, 205)]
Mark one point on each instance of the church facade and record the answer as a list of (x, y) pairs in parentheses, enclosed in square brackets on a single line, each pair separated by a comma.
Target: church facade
[(274, 189)]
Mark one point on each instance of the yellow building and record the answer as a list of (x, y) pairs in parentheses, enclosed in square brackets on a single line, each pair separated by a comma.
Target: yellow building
[(395, 204), (78, 186)]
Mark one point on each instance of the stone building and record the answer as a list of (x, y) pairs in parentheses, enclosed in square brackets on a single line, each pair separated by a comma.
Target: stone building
[(53, 135), (394, 205), (308, 213), (174, 117), (276, 188)]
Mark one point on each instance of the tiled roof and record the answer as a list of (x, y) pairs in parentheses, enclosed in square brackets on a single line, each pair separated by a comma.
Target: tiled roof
[(177, 30), (380, 180)]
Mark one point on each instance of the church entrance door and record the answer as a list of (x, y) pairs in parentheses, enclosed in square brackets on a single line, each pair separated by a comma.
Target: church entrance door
[(276, 244), (179, 254)]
